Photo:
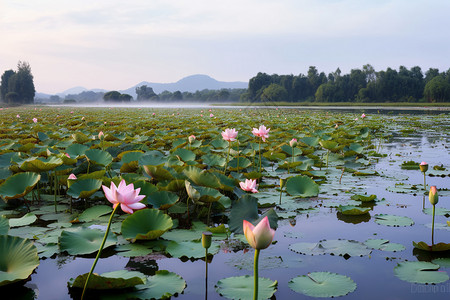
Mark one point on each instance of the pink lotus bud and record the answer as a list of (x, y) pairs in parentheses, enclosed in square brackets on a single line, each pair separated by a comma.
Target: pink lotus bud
[(433, 195), (191, 139), (293, 143), (261, 236), (423, 167)]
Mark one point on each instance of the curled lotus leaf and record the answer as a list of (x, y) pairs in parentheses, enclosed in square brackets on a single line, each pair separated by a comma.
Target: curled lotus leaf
[(84, 188), (18, 185), (18, 259), (146, 224), (99, 157), (38, 164)]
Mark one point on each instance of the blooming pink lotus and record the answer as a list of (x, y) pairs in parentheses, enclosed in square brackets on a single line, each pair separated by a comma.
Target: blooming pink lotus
[(125, 195), (363, 116), (72, 177), (35, 120), (261, 236), (249, 185), (18, 116), (229, 134), (211, 115), (262, 132)]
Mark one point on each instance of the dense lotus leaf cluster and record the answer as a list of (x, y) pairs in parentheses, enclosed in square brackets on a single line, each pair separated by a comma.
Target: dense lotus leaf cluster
[(190, 184)]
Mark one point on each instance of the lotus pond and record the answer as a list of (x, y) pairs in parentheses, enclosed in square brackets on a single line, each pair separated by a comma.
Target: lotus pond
[(352, 217)]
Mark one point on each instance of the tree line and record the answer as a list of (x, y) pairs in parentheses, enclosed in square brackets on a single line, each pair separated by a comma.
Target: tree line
[(17, 87), (361, 85)]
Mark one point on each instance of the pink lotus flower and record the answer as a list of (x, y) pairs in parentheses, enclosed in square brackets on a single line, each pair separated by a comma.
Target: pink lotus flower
[(249, 185), (72, 177), (18, 116), (229, 134), (125, 195), (262, 132), (191, 138), (101, 135), (261, 236), (67, 154), (293, 143), (363, 116), (211, 115), (423, 167), (34, 120)]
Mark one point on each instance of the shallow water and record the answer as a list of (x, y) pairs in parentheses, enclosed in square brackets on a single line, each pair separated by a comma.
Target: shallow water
[(373, 274)]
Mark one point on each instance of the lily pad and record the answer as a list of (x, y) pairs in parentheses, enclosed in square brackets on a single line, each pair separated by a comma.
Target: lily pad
[(4, 225), (18, 259), (322, 284), (192, 249), (93, 213), (384, 245), (353, 210), (84, 241), (392, 220), (302, 186), (146, 224), (345, 248), (18, 185), (241, 287), (111, 280), (364, 198), (438, 211), (420, 272), (443, 262), (162, 199), (26, 219)]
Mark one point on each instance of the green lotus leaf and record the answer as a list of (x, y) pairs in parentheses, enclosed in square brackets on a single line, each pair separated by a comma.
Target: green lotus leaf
[(84, 188), (310, 141), (190, 249), (158, 173), (219, 143), (76, 150), (214, 160), (384, 245), (93, 175), (26, 219), (356, 147), (4, 225), (246, 208), (434, 248), (243, 163), (345, 248), (443, 262), (42, 136), (420, 272), (322, 284), (288, 150), (438, 211), (392, 220), (146, 188), (18, 185), (133, 250), (38, 164), (364, 198), (80, 137), (192, 191), (241, 287), (18, 259), (152, 158), (302, 186), (353, 210), (93, 213), (146, 224), (162, 285), (184, 154), (99, 157), (329, 145), (162, 199), (129, 156), (111, 280), (201, 177), (84, 241)]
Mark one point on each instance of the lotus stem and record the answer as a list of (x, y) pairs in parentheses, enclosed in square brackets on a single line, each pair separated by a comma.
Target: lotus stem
[(328, 151), (260, 169), (255, 275), (281, 192), (424, 181), (432, 228), (55, 187), (99, 252), (228, 156), (206, 273), (209, 212), (238, 156)]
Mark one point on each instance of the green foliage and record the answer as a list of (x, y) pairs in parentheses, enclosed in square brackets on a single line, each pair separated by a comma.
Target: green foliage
[(18, 87)]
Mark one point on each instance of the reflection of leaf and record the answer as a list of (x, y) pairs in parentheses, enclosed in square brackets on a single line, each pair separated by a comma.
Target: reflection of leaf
[(111, 280)]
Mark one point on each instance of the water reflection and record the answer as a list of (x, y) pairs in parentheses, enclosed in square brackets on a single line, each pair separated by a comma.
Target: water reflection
[(353, 219)]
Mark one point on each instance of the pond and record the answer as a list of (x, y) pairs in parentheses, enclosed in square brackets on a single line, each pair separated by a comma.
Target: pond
[(312, 235)]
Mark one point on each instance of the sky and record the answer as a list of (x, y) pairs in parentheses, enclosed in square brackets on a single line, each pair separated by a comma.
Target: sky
[(114, 45)]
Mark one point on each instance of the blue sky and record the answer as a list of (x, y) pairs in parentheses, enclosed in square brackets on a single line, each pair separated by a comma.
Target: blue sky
[(117, 44)]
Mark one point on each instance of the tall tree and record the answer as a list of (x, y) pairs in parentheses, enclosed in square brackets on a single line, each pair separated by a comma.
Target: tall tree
[(4, 84)]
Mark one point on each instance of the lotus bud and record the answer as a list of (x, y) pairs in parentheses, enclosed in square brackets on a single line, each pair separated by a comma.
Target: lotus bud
[(206, 239), (293, 143), (191, 139), (71, 179), (282, 183), (433, 195), (423, 167), (101, 135)]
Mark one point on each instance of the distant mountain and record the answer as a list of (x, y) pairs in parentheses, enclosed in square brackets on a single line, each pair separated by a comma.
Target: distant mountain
[(188, 84)]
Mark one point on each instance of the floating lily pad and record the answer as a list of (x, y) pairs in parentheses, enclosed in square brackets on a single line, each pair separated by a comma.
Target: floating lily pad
[(132, 250), (302, 186), (392, 220), (345, 248), (384, 245), (18, 185), (111, 280), (18, 259), (322, 284), (241, 287), (84, 241), (193, 249), (420, 272), (443, 262), (146, 224), (26, 219), (438, 211)]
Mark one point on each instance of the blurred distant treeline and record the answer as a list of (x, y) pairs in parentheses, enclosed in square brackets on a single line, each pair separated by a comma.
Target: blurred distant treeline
[(361, 85)]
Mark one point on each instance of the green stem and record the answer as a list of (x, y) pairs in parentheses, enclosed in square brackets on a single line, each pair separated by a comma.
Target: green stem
[(228, 156), (206, 273), (238, 157), (281, 192), (424, 181), (260, 157), (432, 228), (98, 253), (328, 151), (255, 275), (55, 187)]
